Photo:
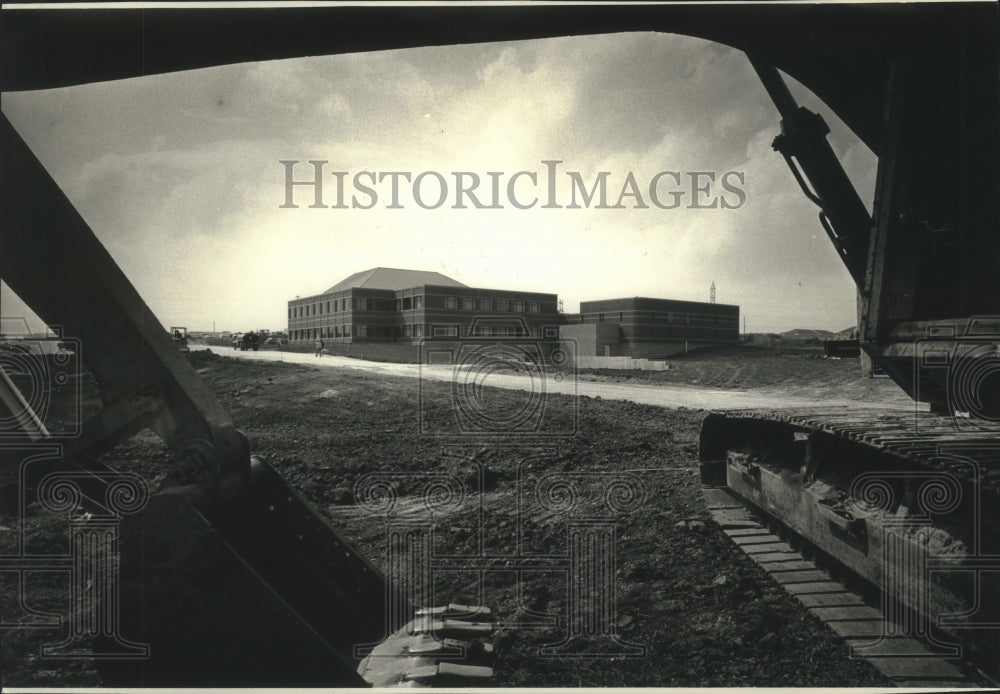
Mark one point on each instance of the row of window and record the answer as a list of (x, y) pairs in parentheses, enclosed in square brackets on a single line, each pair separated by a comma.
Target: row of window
[(408, 303), (494, 330), (412, 303), (466, 303), (418, 330), (672, 318), (336, 331)]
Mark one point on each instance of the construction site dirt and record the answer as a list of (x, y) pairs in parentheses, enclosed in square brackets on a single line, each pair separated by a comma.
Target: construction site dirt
[(684, 606)]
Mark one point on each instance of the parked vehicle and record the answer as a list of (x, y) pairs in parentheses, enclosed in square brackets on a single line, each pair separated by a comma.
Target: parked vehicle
[(180, 338), (247, 341)]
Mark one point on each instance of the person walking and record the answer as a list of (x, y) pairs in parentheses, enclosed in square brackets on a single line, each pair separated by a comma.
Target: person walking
[(319, 348)]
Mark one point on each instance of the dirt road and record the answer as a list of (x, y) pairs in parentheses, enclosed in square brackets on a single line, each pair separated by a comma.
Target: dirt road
[(659, 395), (687, 607)]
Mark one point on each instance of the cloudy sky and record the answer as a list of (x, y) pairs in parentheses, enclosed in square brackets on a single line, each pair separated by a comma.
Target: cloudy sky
[(179, 176)]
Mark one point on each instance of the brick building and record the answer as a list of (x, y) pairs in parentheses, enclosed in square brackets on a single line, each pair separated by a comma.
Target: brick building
[(645, 328), (393, 305)]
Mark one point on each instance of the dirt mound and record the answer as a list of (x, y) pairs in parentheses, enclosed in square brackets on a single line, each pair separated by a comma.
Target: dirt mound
[(687, 607), (202, 357)]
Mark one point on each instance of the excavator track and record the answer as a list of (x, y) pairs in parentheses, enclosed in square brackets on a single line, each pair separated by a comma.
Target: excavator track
[(808, 578), (903, 506)]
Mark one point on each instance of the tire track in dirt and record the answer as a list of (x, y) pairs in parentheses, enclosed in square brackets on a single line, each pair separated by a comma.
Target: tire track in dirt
[(659, 395)]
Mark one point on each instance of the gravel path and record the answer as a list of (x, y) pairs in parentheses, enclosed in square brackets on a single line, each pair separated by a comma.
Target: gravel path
[(659, 395)]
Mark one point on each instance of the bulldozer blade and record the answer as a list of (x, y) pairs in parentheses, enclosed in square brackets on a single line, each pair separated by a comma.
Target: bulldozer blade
[(258, 590)]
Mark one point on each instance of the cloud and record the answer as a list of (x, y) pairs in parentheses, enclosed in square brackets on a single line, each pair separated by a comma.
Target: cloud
[(179, 176)]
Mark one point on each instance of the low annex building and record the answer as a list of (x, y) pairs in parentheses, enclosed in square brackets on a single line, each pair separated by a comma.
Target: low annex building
[(394, 305), (644, 328)]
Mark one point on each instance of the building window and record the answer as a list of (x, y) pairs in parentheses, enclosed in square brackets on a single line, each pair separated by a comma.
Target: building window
[(347, 331), (360, 331), (468, 304), (450, 302), (418, 330), (485, 305), (418, 302), (518, 307), (551, 332), (445, 331), (503, 305), (407, 303), (533, 307)]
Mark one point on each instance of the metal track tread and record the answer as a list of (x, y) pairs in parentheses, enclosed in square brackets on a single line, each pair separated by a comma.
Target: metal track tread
[(919, 437), (903, 660)]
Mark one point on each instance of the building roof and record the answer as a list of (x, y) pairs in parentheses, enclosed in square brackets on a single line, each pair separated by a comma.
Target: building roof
[(648, 301), (392, 278)]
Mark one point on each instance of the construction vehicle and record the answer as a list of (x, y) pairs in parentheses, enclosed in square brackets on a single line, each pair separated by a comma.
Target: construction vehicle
[(907, 501), (180, 337), (916, 83), (247, 341)]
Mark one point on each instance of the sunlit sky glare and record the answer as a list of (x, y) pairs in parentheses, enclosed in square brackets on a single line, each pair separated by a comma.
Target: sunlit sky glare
[(179, 177)]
